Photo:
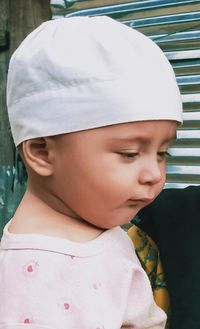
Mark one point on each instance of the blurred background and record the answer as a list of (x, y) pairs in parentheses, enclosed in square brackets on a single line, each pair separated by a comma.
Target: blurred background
[(174, 25)]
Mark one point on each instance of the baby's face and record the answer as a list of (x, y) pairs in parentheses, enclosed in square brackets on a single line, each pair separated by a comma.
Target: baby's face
[(106, 175)]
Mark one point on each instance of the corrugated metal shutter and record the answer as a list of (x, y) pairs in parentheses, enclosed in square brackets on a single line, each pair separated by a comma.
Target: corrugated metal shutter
[(175, 26)]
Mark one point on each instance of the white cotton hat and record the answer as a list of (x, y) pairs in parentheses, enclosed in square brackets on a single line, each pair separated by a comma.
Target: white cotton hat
[(78, 73)]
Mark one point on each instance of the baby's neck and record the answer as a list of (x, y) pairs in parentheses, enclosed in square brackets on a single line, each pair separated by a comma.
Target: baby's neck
[(34, 216)]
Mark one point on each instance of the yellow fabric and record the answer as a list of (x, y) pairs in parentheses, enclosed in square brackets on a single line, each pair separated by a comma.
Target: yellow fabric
[(149, 257)]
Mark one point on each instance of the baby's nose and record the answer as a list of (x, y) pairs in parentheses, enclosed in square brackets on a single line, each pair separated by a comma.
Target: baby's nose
[(151, 173)]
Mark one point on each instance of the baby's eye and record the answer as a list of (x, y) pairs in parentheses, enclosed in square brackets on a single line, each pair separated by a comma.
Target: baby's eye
[(128, 154), (163, 155)]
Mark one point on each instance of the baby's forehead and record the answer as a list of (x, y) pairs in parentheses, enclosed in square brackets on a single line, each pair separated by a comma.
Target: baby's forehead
[(142, 132)]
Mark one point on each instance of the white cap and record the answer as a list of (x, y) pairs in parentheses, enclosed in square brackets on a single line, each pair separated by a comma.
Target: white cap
[(78, 73)]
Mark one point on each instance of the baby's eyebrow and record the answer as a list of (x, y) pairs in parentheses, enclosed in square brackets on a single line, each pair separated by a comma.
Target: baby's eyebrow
[(171, 139), (129, 140), (142, 139)]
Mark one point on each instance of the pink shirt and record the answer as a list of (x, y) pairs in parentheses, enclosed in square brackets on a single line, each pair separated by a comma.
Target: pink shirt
[(53, 283)]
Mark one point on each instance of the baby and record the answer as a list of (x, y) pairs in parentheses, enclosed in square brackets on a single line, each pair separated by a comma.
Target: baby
[(93, 107)]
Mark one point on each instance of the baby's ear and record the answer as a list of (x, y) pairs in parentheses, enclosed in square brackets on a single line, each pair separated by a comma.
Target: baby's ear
[(37, 155)]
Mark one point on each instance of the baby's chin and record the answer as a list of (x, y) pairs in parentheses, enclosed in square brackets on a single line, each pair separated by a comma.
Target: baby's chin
[(108, 226)]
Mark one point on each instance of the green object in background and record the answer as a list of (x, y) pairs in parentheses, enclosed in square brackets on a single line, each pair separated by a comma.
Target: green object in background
[(12, 188)]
